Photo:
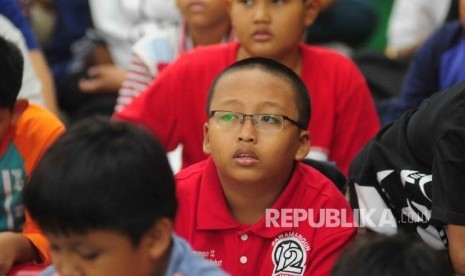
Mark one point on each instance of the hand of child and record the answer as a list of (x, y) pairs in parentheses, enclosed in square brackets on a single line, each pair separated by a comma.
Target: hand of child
[(14, 247), (103, 78)]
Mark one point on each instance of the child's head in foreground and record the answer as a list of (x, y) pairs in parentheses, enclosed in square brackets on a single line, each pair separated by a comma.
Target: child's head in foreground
[(390, 256), (104, 196), (11, 76), (265, 145)]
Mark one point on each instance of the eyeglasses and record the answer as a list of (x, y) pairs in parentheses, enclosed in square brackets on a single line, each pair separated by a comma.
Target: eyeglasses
[(261, 122)]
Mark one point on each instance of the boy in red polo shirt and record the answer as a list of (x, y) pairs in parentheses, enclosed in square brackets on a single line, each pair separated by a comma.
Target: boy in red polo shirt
[(252, 207)]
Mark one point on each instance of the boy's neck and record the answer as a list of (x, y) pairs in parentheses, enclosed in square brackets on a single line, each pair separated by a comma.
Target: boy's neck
[(292, 60), (209, 35), (248, 202)]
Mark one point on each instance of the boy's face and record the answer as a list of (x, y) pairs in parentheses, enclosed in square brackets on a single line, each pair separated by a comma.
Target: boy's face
[(98, 253), (247, 154), (203, 13), (271, 28)]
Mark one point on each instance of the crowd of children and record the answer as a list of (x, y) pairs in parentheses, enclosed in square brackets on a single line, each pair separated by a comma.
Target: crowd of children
[(265, 122)]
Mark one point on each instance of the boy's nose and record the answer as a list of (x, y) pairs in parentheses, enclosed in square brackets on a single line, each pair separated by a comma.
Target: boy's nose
[(247, 130), (66, 268), (261, 12)]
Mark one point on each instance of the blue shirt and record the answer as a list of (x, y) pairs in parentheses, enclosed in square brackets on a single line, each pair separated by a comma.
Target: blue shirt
[(186, 262), (437, 65), (11, 10), (73, 19), (12, 180), (183, 261)]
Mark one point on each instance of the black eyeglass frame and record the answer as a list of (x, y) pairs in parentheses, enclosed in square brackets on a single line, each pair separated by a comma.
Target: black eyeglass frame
[(297, 124)]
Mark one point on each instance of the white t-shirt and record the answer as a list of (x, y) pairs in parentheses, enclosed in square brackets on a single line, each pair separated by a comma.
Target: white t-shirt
[(412, 21), (31, 86), (123, 22)]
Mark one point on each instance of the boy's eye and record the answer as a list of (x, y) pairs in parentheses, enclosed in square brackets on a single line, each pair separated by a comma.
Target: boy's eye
[(90, 256), (246, 2), (270, 119), (54, 248), (277, 2), (228, 117)]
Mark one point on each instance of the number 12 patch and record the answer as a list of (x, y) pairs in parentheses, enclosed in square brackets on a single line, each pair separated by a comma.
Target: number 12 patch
[(289, 255)]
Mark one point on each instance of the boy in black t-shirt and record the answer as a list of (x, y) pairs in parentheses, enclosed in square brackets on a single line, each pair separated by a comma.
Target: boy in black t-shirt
[(410, 176)]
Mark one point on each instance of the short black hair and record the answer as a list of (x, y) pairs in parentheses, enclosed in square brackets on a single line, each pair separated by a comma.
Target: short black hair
[(267, 65), (11, 73), (399, 255), (102, 175)]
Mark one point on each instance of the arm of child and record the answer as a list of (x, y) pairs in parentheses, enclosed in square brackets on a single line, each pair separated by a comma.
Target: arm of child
[(103, 78), (20, 250), (456, 236), (45, 76), (41, 246), (30, 246)]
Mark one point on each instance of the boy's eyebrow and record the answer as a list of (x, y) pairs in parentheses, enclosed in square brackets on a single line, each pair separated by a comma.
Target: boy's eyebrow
[(75, 244), (266, 107), (83, 246), (260, 105), (269, 104), (79, 243), (229, 101)]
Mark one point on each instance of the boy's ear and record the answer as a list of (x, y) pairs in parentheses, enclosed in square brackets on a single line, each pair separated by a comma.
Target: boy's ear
[(304, 145), (18, 110), (311, 10), (158, 239), (206, 139)]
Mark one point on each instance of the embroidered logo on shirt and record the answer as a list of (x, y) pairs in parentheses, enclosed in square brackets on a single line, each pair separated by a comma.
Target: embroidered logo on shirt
[(289, 254), (210, 256)]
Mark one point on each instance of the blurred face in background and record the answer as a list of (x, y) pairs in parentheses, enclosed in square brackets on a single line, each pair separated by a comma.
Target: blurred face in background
[(270, 28), (203, 13)]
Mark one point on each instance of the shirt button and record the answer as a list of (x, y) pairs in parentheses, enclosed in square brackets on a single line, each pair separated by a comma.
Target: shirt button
[(243, 260), (244, 237)]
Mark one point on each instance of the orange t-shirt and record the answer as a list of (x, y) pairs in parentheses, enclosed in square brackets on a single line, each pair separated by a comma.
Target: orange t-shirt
[(20, 150)]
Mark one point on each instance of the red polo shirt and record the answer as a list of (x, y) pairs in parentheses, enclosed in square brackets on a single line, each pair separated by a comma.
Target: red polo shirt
[(284, 245)]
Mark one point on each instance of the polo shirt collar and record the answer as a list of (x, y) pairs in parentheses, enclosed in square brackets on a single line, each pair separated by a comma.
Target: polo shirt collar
[(213, 213)]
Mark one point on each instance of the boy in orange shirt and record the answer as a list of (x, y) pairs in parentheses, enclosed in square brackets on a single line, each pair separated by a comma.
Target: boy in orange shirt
[(26, 131)]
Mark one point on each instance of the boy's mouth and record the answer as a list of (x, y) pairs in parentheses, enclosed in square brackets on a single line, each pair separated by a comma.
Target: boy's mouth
[(261, 35), (245, 157), (196, 7)]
